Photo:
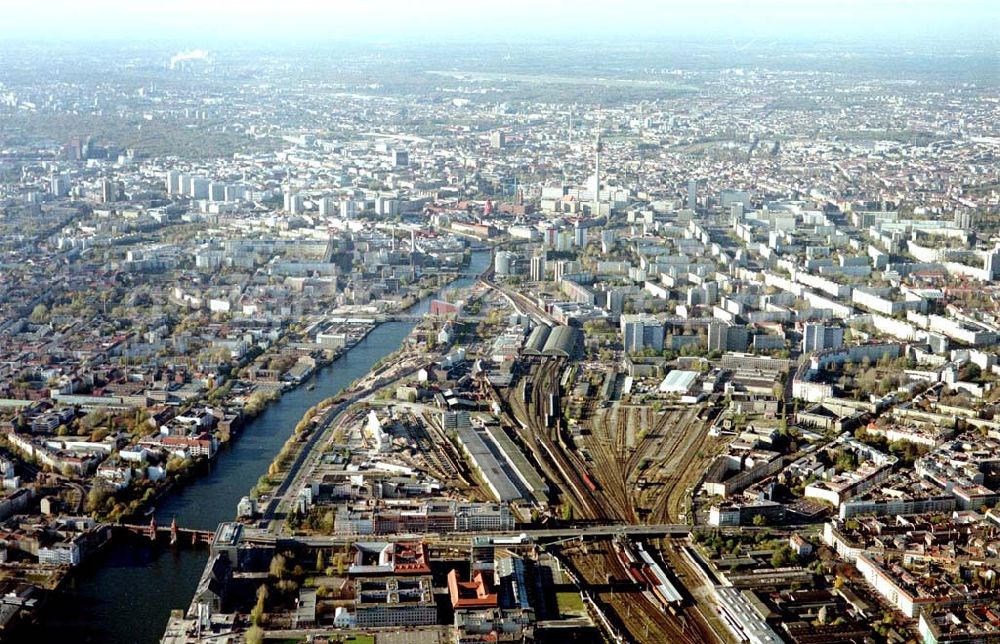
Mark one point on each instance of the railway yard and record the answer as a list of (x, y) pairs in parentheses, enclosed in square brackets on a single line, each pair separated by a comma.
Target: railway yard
[(581, 461), (630, 464), (577, 461), (646, 461)]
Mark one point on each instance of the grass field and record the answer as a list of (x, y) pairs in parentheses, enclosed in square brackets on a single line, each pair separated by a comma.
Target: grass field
[(570, 604)]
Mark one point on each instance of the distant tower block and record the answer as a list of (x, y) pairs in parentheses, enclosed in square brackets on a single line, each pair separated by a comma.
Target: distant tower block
[(597, 173)]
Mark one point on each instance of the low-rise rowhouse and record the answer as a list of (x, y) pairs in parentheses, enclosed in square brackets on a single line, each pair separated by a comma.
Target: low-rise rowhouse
[(64, 553), (73, 456), (198, 445), (970, 625), (896, 506)]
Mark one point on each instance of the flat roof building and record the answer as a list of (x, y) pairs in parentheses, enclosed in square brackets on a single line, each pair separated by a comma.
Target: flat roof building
[(395, 601), (678, 382)]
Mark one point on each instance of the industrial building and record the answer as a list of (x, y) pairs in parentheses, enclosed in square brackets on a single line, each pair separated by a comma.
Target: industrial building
[(492, 472), (678, 382), (562, 342), (536, 340), (742, 619)]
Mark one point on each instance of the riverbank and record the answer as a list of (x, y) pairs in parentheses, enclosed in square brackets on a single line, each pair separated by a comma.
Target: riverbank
[(124, 596), (140, 508), (134, 504)]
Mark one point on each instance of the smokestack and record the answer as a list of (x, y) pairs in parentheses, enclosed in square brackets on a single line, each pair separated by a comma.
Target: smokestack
[(194, 54)]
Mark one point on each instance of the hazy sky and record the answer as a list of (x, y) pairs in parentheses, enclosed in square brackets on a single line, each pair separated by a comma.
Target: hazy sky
[(205, 21)]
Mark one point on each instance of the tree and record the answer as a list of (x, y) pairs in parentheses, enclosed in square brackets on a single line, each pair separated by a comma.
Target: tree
[(846, 461), (257, 612), (97, 497), (782, 557), (93, 419), (40, 314), (277, 568), (255, 635), (759, 520)]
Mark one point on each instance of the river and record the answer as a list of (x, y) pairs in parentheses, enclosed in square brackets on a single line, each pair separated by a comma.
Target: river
[(125, 594)]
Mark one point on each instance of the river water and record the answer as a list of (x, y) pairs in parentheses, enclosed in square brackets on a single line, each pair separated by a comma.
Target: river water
[(125, 594)]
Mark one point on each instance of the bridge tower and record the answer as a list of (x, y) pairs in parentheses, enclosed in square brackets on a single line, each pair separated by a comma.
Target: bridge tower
[(173, 531), (152, 529)]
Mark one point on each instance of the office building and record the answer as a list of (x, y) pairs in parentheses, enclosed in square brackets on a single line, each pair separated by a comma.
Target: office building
[(964, 219), (348, 209), (506, 263), (234, 193), (174, 182), (729, 198), (992, 265), (400, 158), (216, 191), (607, 241), (74, 149), (395, 601), (109, 192), (59, 186), (327, 207), (294, 203), (199, 188)]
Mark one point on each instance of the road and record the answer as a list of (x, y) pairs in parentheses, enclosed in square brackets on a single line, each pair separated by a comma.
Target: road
[(603, 531)]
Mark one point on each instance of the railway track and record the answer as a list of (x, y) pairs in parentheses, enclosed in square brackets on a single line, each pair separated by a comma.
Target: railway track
[(669, 443), (547, 385), (531, 417), (630, 609), (607, 449), (614, 468), (677, 459)]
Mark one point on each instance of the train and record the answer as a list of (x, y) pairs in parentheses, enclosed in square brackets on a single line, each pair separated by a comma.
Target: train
[(648, 574), (589, 482)]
